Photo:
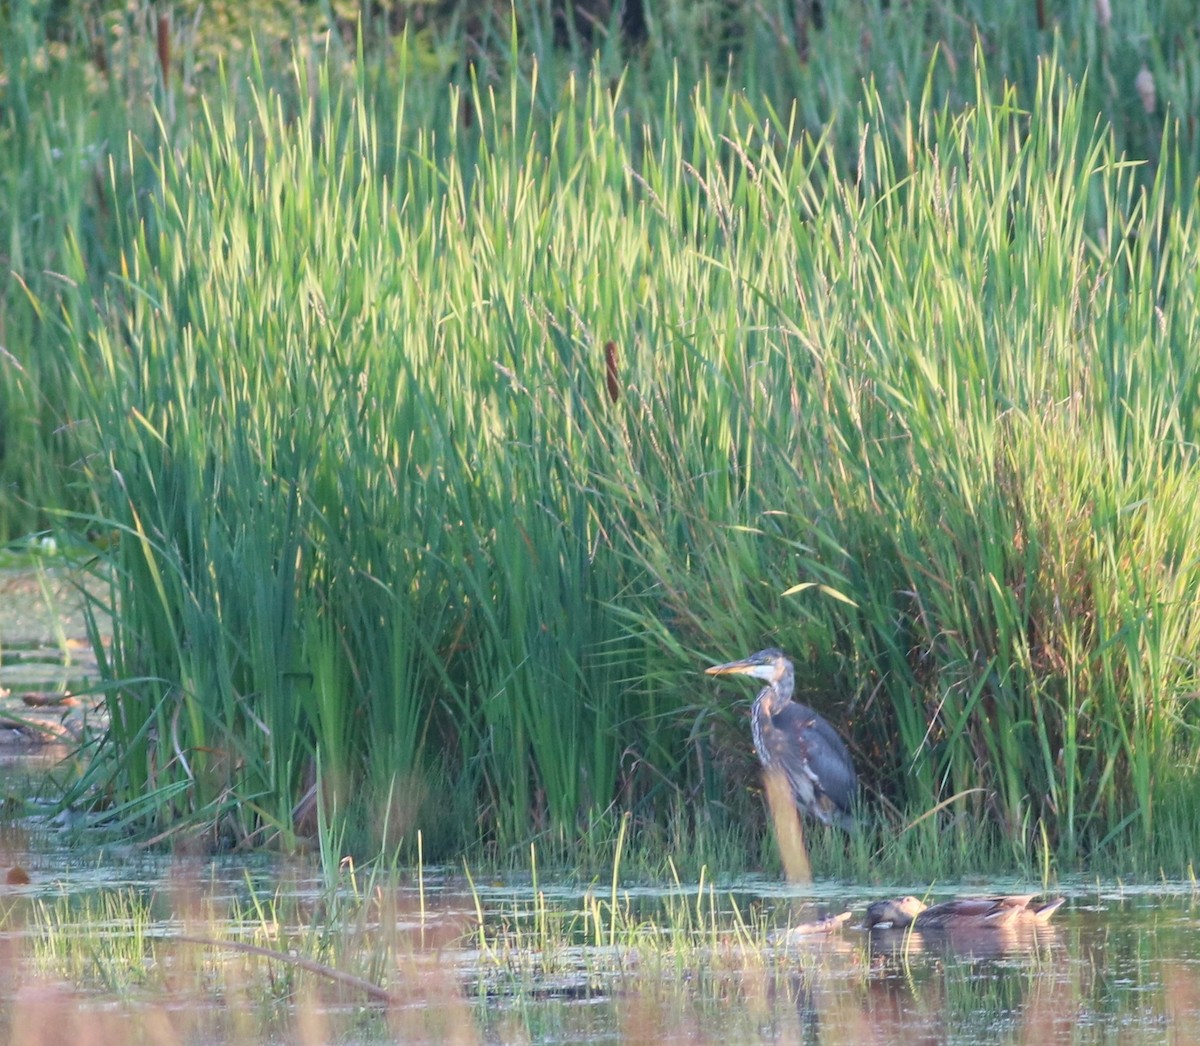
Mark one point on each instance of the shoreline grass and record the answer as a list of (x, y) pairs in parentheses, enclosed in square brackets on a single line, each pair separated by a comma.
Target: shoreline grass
[(443, 455)]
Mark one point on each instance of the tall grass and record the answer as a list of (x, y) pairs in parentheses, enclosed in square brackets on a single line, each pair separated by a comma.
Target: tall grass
[(79, 78), (404, 545)]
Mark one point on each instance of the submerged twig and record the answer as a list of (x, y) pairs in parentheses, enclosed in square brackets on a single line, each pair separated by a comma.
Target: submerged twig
[(366, 987)]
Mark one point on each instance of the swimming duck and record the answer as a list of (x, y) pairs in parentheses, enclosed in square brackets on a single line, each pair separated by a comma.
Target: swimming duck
[(901, 912)]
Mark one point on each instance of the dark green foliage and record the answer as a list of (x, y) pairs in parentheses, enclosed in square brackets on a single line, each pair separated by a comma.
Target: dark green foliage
[(405, 544)]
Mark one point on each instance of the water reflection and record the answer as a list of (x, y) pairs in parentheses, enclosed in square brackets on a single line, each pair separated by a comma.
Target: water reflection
[(750, 962), (963, 984), (1119, 968), (979, 942)]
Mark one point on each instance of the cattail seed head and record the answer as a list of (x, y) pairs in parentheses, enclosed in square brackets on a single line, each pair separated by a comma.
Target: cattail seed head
[(610, 370), (163, 40), (1144, 84)]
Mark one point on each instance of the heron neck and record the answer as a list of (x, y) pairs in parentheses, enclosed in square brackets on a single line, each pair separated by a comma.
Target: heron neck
[(778, 694)]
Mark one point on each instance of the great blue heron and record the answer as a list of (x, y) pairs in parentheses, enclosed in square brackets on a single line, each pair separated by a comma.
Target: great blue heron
[(974, 912), (791, 738)]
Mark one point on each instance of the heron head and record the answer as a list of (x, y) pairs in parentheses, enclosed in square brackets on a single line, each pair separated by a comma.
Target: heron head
[(769, 665)]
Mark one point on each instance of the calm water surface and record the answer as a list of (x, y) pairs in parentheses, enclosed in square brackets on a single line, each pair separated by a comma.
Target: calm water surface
[(1120, 963)]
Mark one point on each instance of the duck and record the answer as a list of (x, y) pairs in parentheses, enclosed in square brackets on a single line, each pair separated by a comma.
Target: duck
[(976, 912)]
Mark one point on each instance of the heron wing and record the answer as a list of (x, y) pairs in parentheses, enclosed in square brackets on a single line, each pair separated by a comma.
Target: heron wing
[(824, 758)]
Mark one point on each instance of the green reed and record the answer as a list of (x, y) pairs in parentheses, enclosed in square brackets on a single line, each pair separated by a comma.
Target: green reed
[(81, 79), (404, 546)]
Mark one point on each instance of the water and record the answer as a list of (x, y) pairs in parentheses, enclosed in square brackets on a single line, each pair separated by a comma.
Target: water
[(1119, 963), (48, 669)]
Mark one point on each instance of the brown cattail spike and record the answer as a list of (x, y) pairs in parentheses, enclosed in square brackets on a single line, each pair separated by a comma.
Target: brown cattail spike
[(164, 46), (610, 370)]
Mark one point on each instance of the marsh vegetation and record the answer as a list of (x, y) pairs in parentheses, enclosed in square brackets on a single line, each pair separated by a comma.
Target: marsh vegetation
[(403, 403), (435, 406)]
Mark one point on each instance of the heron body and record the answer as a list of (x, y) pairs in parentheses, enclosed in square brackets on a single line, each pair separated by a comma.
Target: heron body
[(792, 739), (975, 912)]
